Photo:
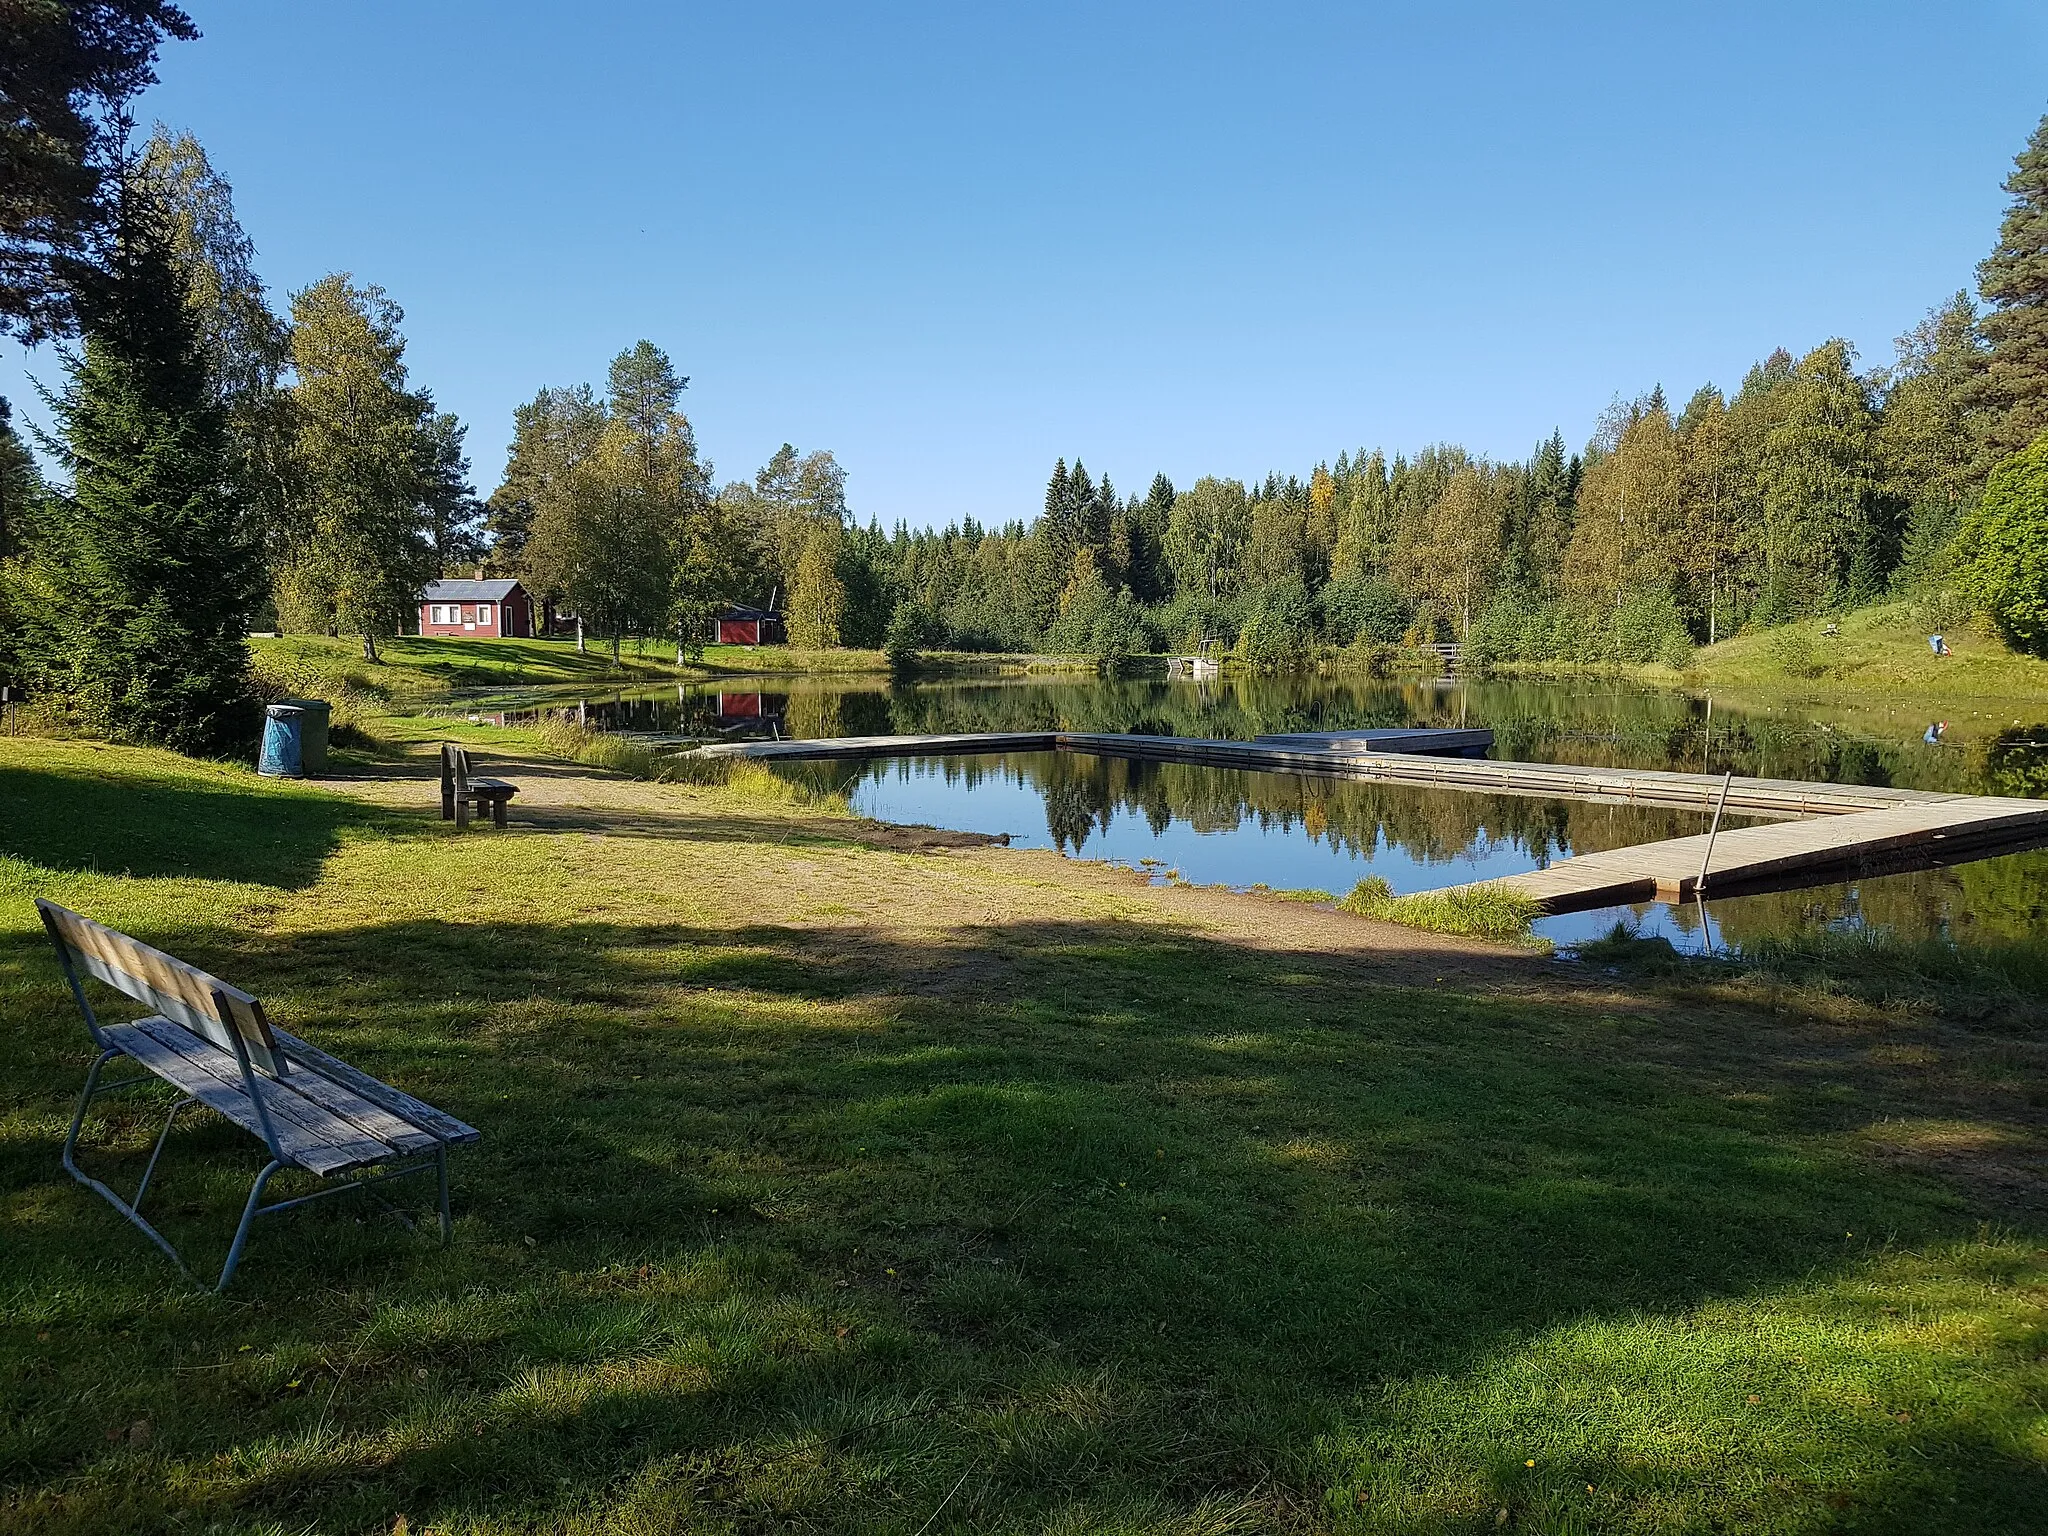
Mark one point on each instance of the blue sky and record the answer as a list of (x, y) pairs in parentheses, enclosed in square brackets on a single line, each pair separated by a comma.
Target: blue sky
[(950, 242)]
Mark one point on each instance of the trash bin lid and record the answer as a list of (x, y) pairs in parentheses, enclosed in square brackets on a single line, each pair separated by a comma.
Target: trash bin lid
[(283, 711)]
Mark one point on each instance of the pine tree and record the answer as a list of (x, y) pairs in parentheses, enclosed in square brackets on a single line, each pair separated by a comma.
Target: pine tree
[(2014, 281), (551, 433), (1935, 431), (1826, 538), (141, 581)]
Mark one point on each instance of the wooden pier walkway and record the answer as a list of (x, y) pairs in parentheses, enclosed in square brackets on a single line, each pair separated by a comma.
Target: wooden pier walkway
[(1813, 832), (1313, 751), (1782, 855)]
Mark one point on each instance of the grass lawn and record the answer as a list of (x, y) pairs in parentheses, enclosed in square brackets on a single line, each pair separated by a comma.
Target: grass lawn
[(415, 666), (1881, 649), (829, 1186)]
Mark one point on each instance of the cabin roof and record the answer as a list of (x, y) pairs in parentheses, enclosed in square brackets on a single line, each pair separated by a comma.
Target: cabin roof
[(458, 590)]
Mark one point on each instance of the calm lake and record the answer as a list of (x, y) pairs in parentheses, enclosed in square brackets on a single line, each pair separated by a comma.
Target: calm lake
[(1215, 826)]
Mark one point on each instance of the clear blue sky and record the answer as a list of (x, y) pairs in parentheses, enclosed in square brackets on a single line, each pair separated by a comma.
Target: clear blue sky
[(950, 242)]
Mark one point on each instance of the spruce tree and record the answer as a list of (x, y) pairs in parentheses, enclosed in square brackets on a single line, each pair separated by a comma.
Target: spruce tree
[(21, 487), (21, 499), (2014, 281), (141, 581)]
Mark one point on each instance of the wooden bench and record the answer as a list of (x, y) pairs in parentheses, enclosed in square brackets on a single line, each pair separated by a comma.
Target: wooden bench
[(212, 1043), (459, 791)]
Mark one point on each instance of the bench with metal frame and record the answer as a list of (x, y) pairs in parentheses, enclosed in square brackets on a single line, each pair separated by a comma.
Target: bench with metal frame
[(459, 791), (212, 1043)]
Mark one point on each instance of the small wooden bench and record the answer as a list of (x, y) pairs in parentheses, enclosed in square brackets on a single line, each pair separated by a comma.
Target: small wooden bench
[(212, 1043), (459, 791)]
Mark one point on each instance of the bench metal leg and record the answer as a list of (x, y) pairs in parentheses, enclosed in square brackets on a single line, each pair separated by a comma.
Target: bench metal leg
[(161, 1137), (441, 1175), (70, 1159), (249, 1211)]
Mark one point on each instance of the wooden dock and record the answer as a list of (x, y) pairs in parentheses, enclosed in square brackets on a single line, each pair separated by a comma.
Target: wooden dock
[(1941, 830), (1306, 750), (1813, 833)]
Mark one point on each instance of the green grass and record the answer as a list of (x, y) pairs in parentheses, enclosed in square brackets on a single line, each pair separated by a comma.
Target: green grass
[(416, 667), (1478, 912), (1881, 649), (830, 1188)]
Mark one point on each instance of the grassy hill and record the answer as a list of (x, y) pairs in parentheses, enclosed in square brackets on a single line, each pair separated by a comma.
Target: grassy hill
[(1878, 649)]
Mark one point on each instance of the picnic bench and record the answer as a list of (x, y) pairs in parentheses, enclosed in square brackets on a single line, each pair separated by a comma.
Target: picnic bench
[(460, 791), (212, 1043)]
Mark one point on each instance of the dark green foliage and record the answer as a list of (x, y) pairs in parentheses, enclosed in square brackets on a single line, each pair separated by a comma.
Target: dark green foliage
[(1362, 608), (21, 486), (2005, 547), (67, 72), (2014, 279), (867, 569), (136, 594)]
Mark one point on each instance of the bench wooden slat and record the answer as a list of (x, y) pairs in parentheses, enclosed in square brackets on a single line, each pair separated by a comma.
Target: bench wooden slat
[(178, 991), (310, 1137), (400, 1103), (374, 1120)]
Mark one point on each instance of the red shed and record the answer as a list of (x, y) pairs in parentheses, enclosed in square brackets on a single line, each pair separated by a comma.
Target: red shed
[(476, 610), (747, 626)]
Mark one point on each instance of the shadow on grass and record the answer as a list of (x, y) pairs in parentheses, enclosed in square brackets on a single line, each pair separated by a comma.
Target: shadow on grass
[(1116, 1231), (129, 820)]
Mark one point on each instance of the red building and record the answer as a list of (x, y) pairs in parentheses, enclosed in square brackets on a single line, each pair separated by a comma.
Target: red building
[(476, 610), (747, 626)]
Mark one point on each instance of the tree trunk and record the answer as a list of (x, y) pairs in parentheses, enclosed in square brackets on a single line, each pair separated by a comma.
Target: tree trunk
[(579, 634), (370, 649), (615, 647)]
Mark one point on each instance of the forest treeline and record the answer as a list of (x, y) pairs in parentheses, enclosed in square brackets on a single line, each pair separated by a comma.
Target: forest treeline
[(1810, 487)]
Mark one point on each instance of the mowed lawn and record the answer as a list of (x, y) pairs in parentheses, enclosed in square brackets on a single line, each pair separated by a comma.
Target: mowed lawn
[(825, 1187)]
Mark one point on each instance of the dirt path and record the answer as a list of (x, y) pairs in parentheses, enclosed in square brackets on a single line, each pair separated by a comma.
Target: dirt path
[(1019, 884)]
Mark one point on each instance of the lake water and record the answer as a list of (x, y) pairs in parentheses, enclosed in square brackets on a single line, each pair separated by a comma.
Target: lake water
[(1216, 826)]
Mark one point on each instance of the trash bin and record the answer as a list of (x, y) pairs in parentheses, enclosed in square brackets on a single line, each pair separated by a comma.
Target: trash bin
[(283, 737), (313, 733)]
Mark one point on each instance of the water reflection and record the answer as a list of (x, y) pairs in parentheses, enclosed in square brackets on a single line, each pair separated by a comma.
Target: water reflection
[(1222, 826), (1598, 725)]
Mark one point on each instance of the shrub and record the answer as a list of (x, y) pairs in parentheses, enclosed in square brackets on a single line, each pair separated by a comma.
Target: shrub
[(2004, 549), (913, 628), (1791, 652), (1359, 608), (1645, 623), (1278, 627)]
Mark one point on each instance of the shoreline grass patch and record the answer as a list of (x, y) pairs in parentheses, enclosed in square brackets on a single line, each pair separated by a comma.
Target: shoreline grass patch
[(1472, 912)]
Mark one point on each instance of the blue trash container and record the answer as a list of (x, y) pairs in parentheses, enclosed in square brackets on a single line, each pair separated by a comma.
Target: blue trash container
[(283, 740)]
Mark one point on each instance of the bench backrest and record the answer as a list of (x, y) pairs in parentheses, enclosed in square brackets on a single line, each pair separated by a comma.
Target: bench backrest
[(454, 768), (204, 1004)]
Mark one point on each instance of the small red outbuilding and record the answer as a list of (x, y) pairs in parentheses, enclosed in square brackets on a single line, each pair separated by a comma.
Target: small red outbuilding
[(476, 610), (747, 626)]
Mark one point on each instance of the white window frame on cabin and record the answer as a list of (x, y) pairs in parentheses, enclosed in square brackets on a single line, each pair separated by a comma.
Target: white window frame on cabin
[(483, 613)]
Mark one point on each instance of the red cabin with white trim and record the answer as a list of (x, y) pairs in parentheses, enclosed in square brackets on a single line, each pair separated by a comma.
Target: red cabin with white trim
[(456, 609)]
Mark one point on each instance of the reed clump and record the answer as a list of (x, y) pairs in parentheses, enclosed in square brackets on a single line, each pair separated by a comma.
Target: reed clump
[(1479, 912)]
